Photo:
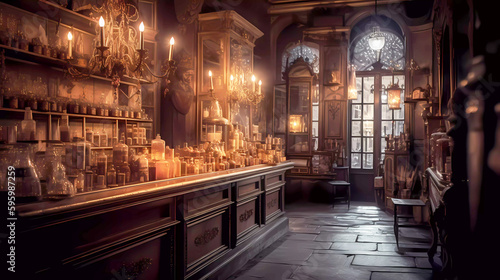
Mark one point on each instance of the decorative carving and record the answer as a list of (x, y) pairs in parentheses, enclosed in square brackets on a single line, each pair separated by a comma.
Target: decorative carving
[(135, 269), (272, 203), (180, 88), (187, 11), (246, 215), (206, 236), (437, 39)]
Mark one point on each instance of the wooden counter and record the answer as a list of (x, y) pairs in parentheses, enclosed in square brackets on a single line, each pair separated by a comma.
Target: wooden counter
[(183, 228)]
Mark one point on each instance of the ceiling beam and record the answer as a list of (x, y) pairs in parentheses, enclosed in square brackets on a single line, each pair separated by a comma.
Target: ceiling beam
[(294, 6)]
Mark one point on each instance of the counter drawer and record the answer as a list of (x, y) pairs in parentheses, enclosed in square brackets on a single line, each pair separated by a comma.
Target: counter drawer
[(248, 187), (205, 200), (247, 216), (274, 179), (207, 238), (273, 204)]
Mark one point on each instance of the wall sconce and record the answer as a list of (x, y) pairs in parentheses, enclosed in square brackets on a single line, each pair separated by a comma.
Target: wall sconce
[(394, 96), (352, 92)]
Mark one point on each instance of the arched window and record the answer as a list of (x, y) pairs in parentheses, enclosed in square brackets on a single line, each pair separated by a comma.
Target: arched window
[(310, 55), (371, 118), (392, 56)]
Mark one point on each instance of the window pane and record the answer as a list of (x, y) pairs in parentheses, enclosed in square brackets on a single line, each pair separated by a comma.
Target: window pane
[(382, 157), (356, 144), (368, 145), (368, 112), (386, 112), (367, 161), (386, 128), (368, 128), (358, 87), (400, 114), (356, 128), (356, 112), (355, 160), (315, 144), (315, 129), (383, 144), (368, 84), (399, 127), (315, 113), (315, 97)]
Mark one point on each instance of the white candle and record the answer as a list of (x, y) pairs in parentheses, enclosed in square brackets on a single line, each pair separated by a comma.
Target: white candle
[(211, 81), (253, 82), (101, 24), (141, 40), (171, 51), (260, 85), (231, 83), (70, 39)]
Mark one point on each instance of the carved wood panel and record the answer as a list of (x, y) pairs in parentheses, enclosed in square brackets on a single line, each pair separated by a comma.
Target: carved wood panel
[(246, 215)]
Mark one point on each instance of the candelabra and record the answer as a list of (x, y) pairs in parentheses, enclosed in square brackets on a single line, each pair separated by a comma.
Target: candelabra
[(116, 54), (241, 90)]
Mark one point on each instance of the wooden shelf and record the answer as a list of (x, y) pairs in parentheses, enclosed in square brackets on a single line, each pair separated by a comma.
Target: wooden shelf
[(54, 12), (27, 57), (76, 115)]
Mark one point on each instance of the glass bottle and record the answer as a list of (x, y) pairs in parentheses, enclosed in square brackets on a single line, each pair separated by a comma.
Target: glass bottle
[(120, 152), (169, 156), (58, 186), (104, 138), (27, 183), (28, 126), (162, 169), (158, 148), (97, 139), (184, 167), (178, 166), (102, 164), (111, 176), (143, 168), (64, 128)]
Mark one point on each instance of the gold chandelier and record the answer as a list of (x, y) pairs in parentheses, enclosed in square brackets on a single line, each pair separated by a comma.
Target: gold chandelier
[(241, 89), (119, 49)]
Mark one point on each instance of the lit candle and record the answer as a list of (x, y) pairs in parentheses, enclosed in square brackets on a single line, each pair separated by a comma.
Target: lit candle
[(171, 52), (101, 24), (70, 39), (211, 81), (231, 83), (253, 82), (260, 85), (141, 29)]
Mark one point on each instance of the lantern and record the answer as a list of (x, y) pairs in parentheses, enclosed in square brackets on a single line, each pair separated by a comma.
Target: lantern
[(376, 39), (352, 91), (394, 97)]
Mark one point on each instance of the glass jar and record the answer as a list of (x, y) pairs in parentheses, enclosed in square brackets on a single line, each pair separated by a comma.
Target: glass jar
[(120, 153), (111, 176), (58, 186), (28, 186), (102, 164), (158, 148)]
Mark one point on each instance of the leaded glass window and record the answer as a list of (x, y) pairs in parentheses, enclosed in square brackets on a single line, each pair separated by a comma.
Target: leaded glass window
[(392, 55), (310, 55)]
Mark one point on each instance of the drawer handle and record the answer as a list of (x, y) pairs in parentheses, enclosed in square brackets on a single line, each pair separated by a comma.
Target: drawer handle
[(206, 237), (246, 215), (132, 270)]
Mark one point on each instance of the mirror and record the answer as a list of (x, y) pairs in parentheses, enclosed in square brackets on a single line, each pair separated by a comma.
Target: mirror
[(213, 60)]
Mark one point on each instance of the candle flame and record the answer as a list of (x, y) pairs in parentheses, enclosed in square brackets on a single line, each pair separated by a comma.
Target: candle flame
[(101, 22), (260, 82), (253, 78), (141, 26), (209, 73), (232, 78), (172, 41), (70, 36)]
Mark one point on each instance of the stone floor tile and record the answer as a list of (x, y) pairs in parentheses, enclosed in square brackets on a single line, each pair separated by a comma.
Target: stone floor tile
[(268, 271), (328, 260), (387, 247), (327, 273), (354, 246), (401, 276), (336, 237), (304, 230), (376, 238), (301, 236), (288, 256), (305, 244), (388, 261)]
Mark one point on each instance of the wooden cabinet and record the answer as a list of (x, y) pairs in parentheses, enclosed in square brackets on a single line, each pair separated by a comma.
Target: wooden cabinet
[(225, 46)]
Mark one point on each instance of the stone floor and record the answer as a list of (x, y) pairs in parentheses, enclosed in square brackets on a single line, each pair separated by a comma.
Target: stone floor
[(337, 243)]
